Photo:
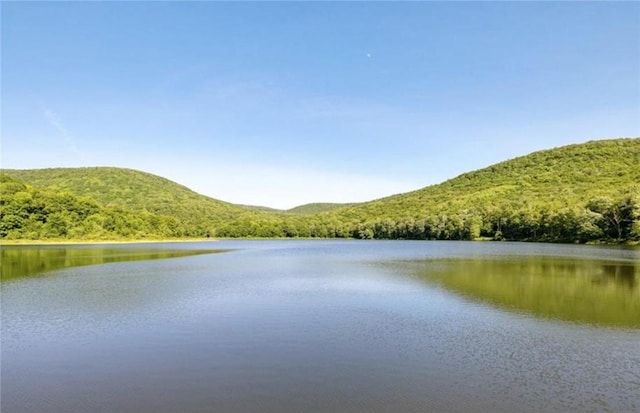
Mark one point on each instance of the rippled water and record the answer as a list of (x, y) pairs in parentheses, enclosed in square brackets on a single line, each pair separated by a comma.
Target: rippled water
[(321, 326)]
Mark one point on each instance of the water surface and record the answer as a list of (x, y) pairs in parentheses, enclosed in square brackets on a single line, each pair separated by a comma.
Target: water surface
[(597, 291), (325, 326), (23, 261)]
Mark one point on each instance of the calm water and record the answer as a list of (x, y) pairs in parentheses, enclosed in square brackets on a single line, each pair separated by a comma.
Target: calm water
[(321, 326)]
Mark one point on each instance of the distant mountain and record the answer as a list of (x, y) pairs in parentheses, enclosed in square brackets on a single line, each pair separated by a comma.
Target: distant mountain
[(317, 207), (575, 193), (260, 208)]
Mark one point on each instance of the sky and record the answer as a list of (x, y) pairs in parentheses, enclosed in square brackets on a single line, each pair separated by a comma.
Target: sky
[(285, 103)]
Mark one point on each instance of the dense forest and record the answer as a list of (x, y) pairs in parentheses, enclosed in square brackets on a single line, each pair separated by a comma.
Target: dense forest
[(578, 193)]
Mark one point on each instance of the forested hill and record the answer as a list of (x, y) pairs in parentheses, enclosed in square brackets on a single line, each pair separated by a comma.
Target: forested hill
[(576, 193), (136, 191), (556, 194)]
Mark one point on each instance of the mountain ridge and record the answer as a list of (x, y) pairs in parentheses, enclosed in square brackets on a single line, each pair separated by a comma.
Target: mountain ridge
[(517, 198)]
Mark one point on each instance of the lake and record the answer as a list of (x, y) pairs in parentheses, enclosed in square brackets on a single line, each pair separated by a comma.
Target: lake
[(320, 326)]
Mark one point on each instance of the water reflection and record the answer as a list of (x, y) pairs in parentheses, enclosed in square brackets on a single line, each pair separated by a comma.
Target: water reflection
[(623, 274), (18, 262), (578, 290)]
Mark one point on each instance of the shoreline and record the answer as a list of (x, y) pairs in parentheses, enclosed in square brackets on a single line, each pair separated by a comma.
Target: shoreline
[(23, 242), (102, 242)]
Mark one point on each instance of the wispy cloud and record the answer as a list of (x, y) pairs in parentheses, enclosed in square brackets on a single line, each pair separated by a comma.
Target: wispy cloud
[(56, 123)]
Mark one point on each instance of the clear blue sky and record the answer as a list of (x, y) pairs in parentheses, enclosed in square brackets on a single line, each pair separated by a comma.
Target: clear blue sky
[(280, 104)]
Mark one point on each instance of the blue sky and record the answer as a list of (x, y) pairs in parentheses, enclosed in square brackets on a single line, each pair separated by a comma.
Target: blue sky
[(281, 104)]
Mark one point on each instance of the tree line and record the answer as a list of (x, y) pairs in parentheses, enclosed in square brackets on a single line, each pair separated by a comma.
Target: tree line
[(602, 219), (31, 213)]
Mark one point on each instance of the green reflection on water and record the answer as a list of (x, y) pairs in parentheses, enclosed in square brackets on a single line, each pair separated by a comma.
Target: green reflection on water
[(19, 262), (577, 290)]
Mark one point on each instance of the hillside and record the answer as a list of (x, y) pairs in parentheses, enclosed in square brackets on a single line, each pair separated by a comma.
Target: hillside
[(32, 213), (577, 193), (518, 198), (137, 191)]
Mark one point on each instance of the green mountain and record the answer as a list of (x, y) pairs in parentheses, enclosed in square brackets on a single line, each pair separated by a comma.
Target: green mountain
[(32, 213), (524, 198), (137, 192), (306, 209), (576, 193)]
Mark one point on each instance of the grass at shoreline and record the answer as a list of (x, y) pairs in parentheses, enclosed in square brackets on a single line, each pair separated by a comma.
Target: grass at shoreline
[(27, 242), (102, 242)]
